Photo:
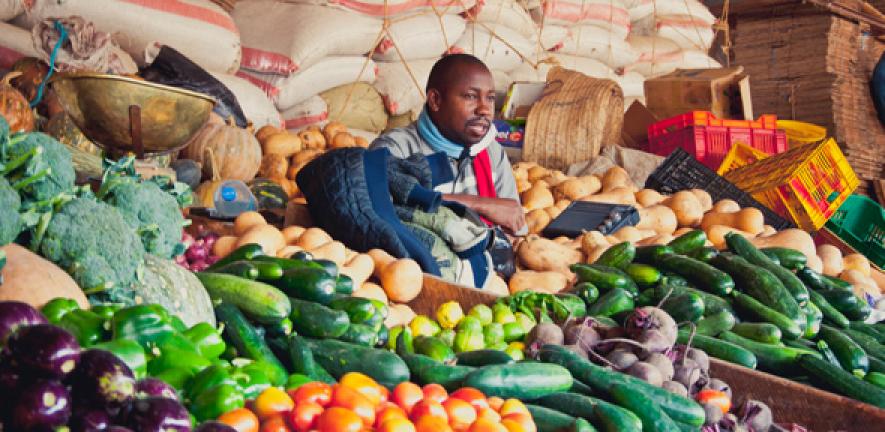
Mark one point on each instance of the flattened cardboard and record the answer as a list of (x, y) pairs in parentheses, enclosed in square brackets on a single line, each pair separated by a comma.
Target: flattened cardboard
[(725, 92)]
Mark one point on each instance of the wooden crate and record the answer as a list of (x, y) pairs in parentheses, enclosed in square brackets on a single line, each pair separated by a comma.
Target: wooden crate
[(791, 402), (437, 291)]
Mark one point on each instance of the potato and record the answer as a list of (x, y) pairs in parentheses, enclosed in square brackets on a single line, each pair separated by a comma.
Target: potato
[(267, 236), (538, 197), (858, 262), (687, 208), (831, 257), (704, 198), (527, 280), (575, 188), (536, 220), (616, 177), (246, 220), (726, 206), (591, 240), (649, 197), (537, 172), (659, 218), (749, 220), (716, 235), (620, 195), (540, 254)]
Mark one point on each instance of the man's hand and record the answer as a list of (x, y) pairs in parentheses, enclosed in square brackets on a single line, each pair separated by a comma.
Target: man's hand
[(500, 211)]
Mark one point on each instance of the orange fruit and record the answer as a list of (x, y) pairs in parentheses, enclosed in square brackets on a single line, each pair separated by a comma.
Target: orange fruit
[(406, 395), (346, 397), (461, 413), (271, 402), (488, 414), (367, 386), (428, 407), (485, 425), (304, 416), (430, 423), (315, 391), (472, 396), (241, 419), (397, 425), (435, 392), (337, 419), (389, 412), (495, 403), (513, 406), (524, 421), (274, 424)]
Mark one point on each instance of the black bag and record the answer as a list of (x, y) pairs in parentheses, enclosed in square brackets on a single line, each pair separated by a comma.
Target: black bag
[(501, 251)]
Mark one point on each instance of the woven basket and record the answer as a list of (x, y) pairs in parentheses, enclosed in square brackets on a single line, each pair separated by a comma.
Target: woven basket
[(574, 118)]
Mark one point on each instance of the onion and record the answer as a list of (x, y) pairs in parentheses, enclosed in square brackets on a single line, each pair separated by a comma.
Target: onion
[(209, 239), (197, 252), (187, 239)]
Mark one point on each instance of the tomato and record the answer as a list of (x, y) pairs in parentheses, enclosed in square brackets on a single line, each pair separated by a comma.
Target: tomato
[(714, 397), (241, 419), (304, 416), (430, 423), (485, 425), (406, 395), (337, 419), (495, 403), (513, 406), (435, 392), (364, 384), (274, 424), (315, 391), (519, 422), (461, 413), (390, 411), (346, 397), (428, 407), (488, 414), (397, 425), (272, 401), (472, 396)]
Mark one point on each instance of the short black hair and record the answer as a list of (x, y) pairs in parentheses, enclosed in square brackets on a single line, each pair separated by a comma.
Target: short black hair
[(440, 74)]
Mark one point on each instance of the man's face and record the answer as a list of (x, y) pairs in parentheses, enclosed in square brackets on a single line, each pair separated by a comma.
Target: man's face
[(463, 110)]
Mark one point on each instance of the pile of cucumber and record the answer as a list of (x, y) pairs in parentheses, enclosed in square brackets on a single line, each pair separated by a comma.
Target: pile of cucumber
[(756, 308)]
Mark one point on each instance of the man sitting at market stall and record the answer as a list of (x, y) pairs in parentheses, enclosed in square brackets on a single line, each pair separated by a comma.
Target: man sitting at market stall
[(455, 128)]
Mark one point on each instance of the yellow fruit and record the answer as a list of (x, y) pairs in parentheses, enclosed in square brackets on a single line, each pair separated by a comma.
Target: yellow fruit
[(449, 314), (513, 406), (422, 325)]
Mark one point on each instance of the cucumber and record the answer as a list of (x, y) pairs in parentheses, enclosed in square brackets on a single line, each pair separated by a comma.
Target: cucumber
[(741, 246), (339, 358), (762, 285), (646, 298), (755, 308), (684, 307), (651, 254), (605, 416), (653, 418), (869, 330), (813, 317), (551, 420), (759, 332), (838, 283), (405, 342), (434, 348), (712, 325), (617, 256), (688, 242), (360, 334), (587, 292), (329, 266), (425, 370), (611, 303), (679, 408), (605, 278), (815, 280), (720, 349), (876, 365), (853, 307), (670, 278), (244, 252), (483, 357), (788, 258), (359, 310), (344, 284), (773, 358), (267, 270), (713, 304), (643, 274), (829, 312), (582, 389), (876, 378), (242, 268), (574, 304), (260, 301), (309, 284), (704, 254), (843, 382), (303, 362), (248, 343), (520, 380), (705, 276), (827, 354), (851, 356), (315, 320), (288, 263)]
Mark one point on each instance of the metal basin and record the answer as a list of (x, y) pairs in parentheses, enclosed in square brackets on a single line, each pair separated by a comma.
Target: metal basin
[(100, 104)]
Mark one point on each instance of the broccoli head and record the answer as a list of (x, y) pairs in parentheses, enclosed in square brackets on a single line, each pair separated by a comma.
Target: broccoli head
[(150, 211), (92, 241), (10, 221), (37, 165)]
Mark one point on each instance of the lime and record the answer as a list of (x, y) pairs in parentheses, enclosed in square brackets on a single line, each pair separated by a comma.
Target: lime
[(483, 313), (513, 331), (447, 336), (468, 341), (422, 325), (449, 314), (525, 321), (498, 346), (515, 354), (391, 338), (493, 333), (502, 314), (470, 324)]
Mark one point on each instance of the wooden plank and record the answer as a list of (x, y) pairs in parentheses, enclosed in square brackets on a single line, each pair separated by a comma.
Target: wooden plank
[(437, 291)]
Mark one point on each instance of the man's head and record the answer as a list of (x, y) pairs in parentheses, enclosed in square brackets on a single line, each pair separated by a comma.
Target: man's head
[(461, 98)]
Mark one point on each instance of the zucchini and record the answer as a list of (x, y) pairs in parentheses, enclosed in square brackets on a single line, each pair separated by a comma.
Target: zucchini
[(875, 378), (520, 380), (841, 381), (813, 318), (617, 256), (741, 246), (679, 408), (759, 332), (773, 358), (302, 361), (315, 320), (852, 306), (434, 348), (762, 285), (720, 349), (309, 284), (704, 254), (339, 358), (755, 308), (483, 357), (705, 276), (260, 301), (867, 343), (653, 418), (713, 304), (688, 242), (360, 334), (684, 307), (604, 277), (244, 252), (248, 343), (829, 312), (651, 254), (611, 303), (788, 258), (551, 420), (605, 416), (425, 370), (712, 325), (643, 274)]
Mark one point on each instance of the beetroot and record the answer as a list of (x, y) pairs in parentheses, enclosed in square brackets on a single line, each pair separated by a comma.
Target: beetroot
[(653, 328)]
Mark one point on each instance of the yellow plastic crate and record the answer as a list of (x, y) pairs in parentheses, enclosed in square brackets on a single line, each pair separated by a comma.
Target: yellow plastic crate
[(801, 133), (806, 184), (739, 155)]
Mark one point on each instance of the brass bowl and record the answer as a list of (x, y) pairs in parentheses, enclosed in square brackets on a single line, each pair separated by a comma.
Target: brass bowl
[(100, 104)]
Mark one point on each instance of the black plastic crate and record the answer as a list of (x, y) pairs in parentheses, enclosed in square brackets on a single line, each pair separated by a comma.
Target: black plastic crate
[(581, 216), (681, 171)]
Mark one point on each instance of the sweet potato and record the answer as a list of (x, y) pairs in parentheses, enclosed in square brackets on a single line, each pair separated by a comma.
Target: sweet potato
[(536, 220), (749, 220), (546, 281), (538, 197), (540, 254), (649, 197)]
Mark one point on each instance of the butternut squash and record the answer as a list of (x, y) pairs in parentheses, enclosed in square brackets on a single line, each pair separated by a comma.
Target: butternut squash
[(879, 278), (527, 280), (553, 212), (620, 195), (402, 280), (360, 268), (562, 204), (342, 140), (273, 166), (814, 262), (313, 238), (540, 254), (282, 143), (831, 257), (660, 239), (399, 315), (575, 188), (616, 177), (496, 286), (659, 218), (371, 290), (594, 254), (861, 284), (536, 220), (591, 240), (629, 234), (266, 131), (292, 233), (726, 206), (333, 251), (537, 172), (538, 197), (716, 235), (793, 238), (246, 221), (682, 230), (858, 262), (288, 251), (381, 259), (704, 198), (31, 279), (767, 230), (224, 245), (687, 208), (332, 129), (267, 236), (749, 220), (649, 197), (523, 185), (555, 177)]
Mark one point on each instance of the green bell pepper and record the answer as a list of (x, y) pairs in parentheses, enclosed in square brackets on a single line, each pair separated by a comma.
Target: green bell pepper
[(208, 378), (106, 311), (216, 401), (177, 323), (171, 358), (206, 339), (252, 378), (176, 377), (297, 380), (130, 352), (85, 325), (145, 324), (56, 308)]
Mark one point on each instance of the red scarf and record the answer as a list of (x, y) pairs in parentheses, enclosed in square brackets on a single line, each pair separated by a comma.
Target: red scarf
[(485, 184)]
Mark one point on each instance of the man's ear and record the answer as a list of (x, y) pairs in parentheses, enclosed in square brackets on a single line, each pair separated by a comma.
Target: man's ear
[(434, 99)]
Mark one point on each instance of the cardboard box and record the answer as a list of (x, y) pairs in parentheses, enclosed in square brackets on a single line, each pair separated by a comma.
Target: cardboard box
[(511, 121), (637, 119), (725, 92)]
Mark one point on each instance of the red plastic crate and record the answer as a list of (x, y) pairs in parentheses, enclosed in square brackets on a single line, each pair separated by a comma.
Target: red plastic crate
[(709, 139)]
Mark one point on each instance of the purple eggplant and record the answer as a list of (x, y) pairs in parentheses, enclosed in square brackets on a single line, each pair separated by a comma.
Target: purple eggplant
[(118, 429), (158, 414), (89, 420), (42, 405), (14, 314), (147, 387), (214, 426), (102, 380), (10, 378), (44, 350)]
